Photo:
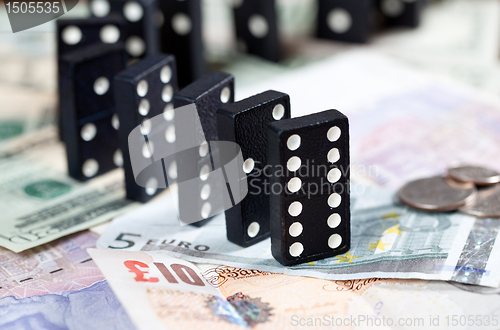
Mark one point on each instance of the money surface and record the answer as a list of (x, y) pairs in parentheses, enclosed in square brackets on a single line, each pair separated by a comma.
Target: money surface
[(404, 124), (57, 286), (41, 203), (52, 268), (157, 294), (387, 240)]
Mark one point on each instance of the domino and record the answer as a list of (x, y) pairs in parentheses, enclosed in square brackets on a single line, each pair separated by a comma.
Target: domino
[(309, 202), (208, 94), (73, 34), (180, 35), (256, 28), (88, 109), (143, 91), (245, 123), (345, 20), (141, 23), (401, 12)]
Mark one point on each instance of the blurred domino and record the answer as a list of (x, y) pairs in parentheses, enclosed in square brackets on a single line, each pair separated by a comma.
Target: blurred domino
[(88, 108), (256, 28), (180, 34), (141, 23), (345, 20), (401, 12)]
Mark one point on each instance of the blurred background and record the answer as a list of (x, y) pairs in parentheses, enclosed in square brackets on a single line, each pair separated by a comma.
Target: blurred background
[(457, 39)]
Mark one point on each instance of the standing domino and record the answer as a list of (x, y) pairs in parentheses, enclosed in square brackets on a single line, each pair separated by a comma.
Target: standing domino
[(245, 123), (310, 216), (73, 34), (208, 94), (140, 16), (143, 91), (345, 20), (401, 12), (88, 108), (256, 28), (180, 34)]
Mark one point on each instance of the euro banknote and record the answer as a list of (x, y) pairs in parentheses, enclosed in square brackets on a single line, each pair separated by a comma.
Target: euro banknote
[(388, 240)]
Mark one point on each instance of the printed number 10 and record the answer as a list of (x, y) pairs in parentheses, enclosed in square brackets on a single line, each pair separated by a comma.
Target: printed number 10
[(184, 273)]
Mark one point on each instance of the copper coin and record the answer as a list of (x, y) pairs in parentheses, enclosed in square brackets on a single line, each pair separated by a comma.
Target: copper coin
[(486, 204), (437, 194), (478, 175)]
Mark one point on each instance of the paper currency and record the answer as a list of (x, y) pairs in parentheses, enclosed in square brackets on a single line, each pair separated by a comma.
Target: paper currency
[(388, 240), (52, 268), (157, 293), (24, 110), (404, 124), (57, 286), (41, 203)]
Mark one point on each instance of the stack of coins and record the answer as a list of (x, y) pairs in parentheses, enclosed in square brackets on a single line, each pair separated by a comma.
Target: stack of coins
[(470, 189)]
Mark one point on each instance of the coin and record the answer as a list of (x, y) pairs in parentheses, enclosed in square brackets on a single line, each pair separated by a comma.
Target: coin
[(486, 204), (437, 194), (478, 175)]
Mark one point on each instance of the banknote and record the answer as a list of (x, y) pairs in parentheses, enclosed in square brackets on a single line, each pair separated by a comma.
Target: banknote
[(41, 203), (387, 240), (404, 124), (56, 286), (24, 110), (160, 292), (51, 268)]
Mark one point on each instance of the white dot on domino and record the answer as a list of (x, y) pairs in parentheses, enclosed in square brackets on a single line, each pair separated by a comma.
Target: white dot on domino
[(295, 229), (333, 134), (296, 249), (253, 229), (295, 209), (334, 241), (334, 200)]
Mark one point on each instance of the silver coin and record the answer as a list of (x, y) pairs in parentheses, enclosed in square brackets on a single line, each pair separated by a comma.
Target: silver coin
[(437, 194), (478, 175), (486, 204)]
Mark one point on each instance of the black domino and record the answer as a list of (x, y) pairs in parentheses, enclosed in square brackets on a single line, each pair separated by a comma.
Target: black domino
[(88, 109), (256, 28), (405, 13), (245, 122), (143, 91), (141, 22), (208, 93), (345, 20), (306, 153), (180, 34), (73, 34)]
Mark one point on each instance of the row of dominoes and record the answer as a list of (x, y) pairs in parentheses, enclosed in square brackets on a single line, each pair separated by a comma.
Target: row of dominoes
[(174, 27), (307, 214)]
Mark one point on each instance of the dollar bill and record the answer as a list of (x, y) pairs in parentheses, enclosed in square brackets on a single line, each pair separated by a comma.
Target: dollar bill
[(162, 292), (40, 203), (387, 240)]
